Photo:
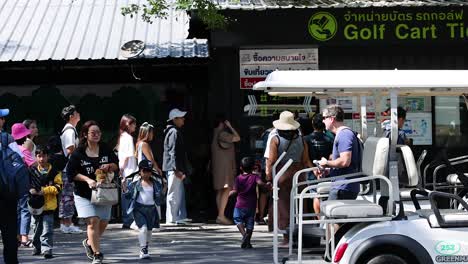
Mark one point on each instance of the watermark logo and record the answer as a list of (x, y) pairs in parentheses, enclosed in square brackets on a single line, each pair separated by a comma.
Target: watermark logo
[(322, 26), (447, 247)]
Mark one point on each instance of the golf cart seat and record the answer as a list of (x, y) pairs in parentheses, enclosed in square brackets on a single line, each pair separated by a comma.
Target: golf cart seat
[(451, 217), (375, 159), (350, 209), (414, 177)]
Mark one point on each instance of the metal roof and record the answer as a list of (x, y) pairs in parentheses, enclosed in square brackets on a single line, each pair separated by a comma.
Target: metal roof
[(277, 4), (37, 30)]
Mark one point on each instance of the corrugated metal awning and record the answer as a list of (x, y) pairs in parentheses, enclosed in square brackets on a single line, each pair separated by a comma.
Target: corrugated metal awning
[(37, 30), (277, 4)]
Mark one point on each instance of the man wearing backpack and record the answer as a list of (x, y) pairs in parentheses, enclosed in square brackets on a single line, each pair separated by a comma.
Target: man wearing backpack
[(346, 154), (69, 139), (14, 182)]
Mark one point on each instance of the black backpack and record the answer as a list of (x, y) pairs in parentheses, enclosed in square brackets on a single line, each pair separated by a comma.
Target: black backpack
[(318, 145), (14, 174), (57, 158)]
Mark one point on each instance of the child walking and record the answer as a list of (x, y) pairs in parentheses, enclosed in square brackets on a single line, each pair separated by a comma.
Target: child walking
[(246, 188), (46, 181), (144, 193)]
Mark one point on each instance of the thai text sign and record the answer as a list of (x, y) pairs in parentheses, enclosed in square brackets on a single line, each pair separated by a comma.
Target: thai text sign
[(256, 64), (388, 24)]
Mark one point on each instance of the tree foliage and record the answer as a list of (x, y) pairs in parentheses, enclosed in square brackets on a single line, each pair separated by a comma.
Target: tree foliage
[(206, 10)]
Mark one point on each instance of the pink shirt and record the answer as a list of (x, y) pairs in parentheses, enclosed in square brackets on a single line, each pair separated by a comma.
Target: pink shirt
[(28, 158)]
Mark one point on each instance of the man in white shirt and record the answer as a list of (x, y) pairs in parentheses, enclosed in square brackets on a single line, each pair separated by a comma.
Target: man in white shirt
[(70, 140)]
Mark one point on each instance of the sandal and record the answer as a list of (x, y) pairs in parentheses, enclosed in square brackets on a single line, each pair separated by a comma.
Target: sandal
[(27, 244)]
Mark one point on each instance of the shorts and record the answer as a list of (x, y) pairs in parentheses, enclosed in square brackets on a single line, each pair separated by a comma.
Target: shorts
[(337, 194), (86, 209), (67, 203), (245, 216)]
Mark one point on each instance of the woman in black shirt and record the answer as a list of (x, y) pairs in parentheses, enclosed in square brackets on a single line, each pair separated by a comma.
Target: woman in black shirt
[(91, 155)]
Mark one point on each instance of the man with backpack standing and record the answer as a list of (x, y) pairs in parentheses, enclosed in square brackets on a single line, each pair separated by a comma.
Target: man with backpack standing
[(176, 166), (346, 154), (14, 182), (69, 139)]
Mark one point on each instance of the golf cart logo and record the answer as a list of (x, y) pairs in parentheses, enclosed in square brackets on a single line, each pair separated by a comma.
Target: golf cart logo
[(322, 26), (447, 248)]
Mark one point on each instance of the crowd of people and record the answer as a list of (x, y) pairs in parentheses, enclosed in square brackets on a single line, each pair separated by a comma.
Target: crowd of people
[(65, 173)]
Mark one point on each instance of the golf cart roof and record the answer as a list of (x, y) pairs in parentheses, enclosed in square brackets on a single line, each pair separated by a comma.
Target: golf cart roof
[(365, 82)]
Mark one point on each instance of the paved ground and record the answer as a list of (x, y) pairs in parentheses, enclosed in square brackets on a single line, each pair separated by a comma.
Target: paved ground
[(196, 243)]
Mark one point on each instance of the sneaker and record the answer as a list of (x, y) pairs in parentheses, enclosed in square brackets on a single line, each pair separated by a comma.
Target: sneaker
[(244, 242), (97, 258), (48, 254), (134, 226), (181, 222), (75, 230), (88, 249), (144, 253)]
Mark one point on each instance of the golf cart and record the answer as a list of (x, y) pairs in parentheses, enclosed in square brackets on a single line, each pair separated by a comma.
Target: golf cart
[(376, 227)]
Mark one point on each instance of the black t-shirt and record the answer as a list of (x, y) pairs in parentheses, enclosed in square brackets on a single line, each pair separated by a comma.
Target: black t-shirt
[(82, 164)]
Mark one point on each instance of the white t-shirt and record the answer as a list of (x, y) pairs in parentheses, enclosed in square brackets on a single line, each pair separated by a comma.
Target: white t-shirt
[(127, 150), (273, 133), (146, 196), (69, 138)]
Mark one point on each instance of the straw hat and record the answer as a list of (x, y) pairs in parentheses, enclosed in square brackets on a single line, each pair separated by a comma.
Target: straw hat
[(286, 122)]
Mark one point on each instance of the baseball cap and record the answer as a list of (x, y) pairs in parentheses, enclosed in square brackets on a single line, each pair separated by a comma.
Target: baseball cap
[(176, 113), (4, 112), (36, 204), (145, 164)]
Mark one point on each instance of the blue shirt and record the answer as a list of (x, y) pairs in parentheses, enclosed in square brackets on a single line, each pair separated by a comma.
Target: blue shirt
[(346, 141), (401, 134)]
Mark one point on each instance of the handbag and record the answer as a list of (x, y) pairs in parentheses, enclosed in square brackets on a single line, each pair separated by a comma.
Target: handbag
[(105, 193)]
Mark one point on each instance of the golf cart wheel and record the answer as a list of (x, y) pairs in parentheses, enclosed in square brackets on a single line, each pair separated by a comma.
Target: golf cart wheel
[(386, 259)]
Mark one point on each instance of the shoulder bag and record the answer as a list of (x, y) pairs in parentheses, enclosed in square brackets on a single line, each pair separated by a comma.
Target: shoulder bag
[(106, 192)]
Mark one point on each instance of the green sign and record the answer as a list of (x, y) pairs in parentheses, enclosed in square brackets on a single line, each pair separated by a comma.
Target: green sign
[(322, 26), (386, 24)]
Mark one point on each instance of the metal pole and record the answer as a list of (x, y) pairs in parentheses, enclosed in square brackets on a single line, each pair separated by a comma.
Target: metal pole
[(275, 204)]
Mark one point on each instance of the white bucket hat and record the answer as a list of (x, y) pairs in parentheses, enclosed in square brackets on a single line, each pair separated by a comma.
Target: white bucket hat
[(286, 122), (176, 113)]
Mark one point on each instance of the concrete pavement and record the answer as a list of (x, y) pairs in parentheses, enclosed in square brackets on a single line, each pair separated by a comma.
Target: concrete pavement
[(195, 243)]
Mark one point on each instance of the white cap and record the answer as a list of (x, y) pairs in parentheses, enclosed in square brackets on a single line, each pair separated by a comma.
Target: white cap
[(176, 113)]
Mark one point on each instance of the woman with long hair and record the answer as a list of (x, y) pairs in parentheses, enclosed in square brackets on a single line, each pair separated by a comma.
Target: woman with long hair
[(127, 161), (143, 148), (223, 165), (32, 126), (90, 156)]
